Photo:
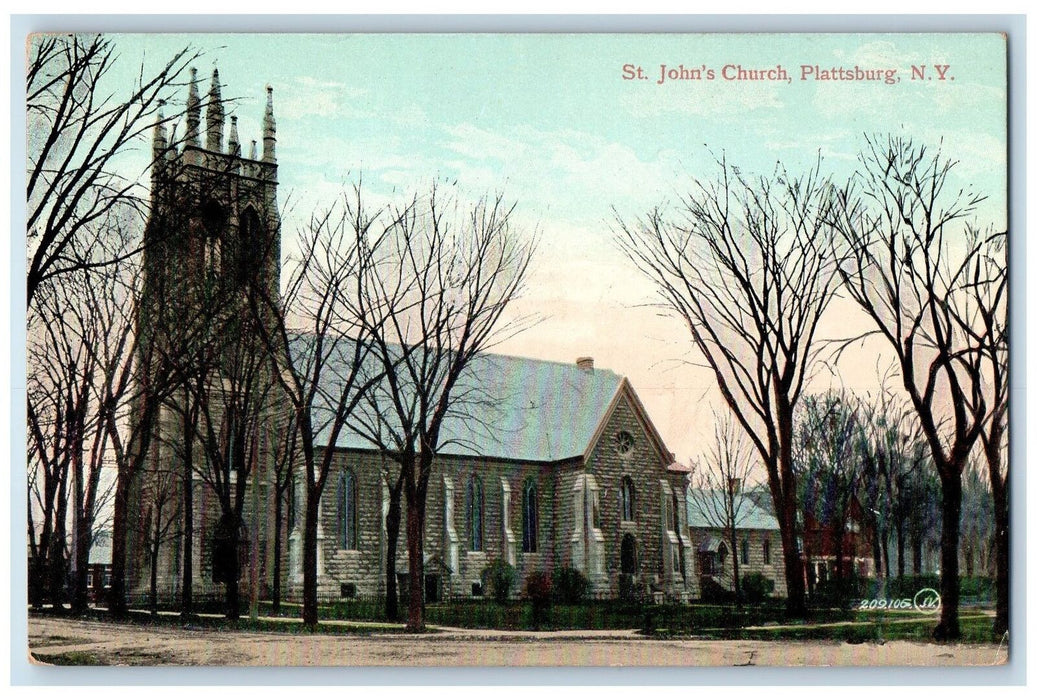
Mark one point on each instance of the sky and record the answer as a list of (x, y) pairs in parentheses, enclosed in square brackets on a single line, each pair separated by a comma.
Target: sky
[(550, 121)]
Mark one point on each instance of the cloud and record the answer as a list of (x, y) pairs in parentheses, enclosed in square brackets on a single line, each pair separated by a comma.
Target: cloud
[(308, 97)]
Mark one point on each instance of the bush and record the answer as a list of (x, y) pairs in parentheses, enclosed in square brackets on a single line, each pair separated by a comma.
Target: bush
[(756, 587), (628, 589), (713, 592), (538, 588), (497, 579), (570, 585), (841, 593)]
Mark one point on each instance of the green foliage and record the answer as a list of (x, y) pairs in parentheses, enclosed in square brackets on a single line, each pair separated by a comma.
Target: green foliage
[(570, 585), (756, 587), (538, 588), (497, 580), (842, 592), (628, 588), (713, 593), (538, 591)]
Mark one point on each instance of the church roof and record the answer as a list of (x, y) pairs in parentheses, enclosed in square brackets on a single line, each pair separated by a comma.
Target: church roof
[(705, 504), (514, 408)]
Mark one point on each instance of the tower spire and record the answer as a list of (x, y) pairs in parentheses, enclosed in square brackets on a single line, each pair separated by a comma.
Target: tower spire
[(159, 141), (269, 128), (194, 111), (233, 145), (214, 115)]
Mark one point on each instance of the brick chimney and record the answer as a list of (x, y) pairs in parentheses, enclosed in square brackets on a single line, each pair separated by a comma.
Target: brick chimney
[(586, 364)]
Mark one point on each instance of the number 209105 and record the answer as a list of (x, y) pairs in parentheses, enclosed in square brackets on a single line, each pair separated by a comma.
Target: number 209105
[(885, 604)]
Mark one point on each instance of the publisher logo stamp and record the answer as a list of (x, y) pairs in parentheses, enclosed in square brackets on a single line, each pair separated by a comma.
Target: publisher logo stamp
[(927, 600)]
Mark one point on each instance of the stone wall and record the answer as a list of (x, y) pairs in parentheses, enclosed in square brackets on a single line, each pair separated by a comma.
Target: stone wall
[(446, 549)]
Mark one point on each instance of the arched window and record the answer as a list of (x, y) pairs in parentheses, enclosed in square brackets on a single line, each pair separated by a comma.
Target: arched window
[(214, 220), (474, 508), (250, 244), (347, 521), (767, 552), (744, 546), (626, 494), (529, 516)]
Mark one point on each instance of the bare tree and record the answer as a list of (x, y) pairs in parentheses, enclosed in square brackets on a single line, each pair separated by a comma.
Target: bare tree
[(75, 340), (719, 486), (432, 302), (747, 263), (978, 543), (320, 346), (159, 521), (982, 315), (906, 263), (893, 452), (77, 132), (827, 462), (58, 388)]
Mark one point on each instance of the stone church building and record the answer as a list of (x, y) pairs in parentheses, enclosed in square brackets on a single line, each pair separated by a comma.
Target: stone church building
[(565, 468)]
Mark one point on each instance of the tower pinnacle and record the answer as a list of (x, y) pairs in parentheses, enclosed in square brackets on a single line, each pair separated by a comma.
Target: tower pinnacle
[(233, 146), (159, 141), (214, 115), (194, 111), (269, 128)]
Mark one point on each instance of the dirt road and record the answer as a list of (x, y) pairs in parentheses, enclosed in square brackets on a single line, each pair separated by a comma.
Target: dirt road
[(72, 641)]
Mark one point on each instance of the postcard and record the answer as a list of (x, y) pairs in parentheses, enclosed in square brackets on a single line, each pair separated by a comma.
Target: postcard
[(516, 349)]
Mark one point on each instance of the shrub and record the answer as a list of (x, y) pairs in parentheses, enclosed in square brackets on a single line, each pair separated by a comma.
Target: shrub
[(756, 587), (538, 587), (840, 593), (713, 592), (497, 579), (570, 585), (538, 590), (628, 591)]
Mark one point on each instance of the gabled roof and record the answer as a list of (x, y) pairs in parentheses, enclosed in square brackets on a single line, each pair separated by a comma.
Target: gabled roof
[(704, 503), (514, 408), (101, 548)]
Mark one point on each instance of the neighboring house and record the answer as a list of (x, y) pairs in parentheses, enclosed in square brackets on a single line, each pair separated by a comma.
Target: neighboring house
[(756, 533), (556, 464), (821, 547), (99, 571)]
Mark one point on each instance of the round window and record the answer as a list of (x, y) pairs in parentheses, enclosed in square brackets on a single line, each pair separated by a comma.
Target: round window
[(624, 442)]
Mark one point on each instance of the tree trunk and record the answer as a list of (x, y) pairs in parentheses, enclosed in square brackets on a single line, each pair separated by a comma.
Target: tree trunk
[(57, 560), (916, 549), (233, 599), (392, 534), (154, 576), (415, 560), (81, 542), (901, 549), (275, 594), (1001, 556), (80, 592), (885, 556), (948, 628), (187, 592), (309, 558), (795, 605), (734, 562)]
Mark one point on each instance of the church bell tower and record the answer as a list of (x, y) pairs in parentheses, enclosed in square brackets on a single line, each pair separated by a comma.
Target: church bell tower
[(212, 247)]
